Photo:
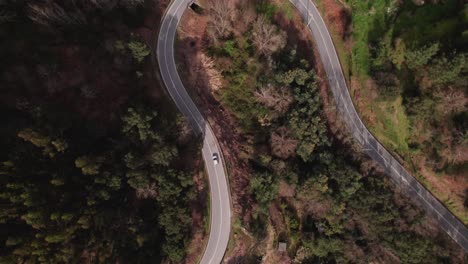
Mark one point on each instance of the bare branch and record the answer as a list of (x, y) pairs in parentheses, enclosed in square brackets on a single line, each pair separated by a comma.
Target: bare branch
[(283, 145), (266, 37)]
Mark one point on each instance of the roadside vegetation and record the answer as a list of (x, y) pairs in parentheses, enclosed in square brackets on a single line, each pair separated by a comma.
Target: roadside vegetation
[(308, 184), (407, 73), (95, 166)]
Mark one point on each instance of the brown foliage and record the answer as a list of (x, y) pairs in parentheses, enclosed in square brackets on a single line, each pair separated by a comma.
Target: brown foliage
[(277, 98), (452, 100), (315, 204), (244, 16), (220, 25), (337, 16), (147, 192), (266, 37), (204, 73), (283, 145), (286, 190)]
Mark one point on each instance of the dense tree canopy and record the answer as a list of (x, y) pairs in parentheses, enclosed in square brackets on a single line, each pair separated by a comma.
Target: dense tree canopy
[(90, 172), (123, 200)]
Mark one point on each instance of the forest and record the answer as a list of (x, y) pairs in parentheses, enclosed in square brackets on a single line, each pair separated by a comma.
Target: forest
[(406, 63), (309, 185), (93, 163), (97, 166)]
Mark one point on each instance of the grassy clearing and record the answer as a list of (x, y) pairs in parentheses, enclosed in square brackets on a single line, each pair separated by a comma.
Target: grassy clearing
[(369, 23), (374, 22), (393, 126)]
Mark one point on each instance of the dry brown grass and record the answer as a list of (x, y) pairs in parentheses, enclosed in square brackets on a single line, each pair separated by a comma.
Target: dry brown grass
[(337, 16)]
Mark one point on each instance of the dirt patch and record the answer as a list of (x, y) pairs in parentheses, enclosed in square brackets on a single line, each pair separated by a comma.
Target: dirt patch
[(272, 255)]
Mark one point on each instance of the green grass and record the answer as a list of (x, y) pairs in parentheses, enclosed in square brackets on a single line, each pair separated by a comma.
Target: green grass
[(393, 128), (414, 26), (369, 24)]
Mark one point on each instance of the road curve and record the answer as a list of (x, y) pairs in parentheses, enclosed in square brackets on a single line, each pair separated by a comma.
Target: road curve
[(220, 200), (220, 204), (447, 221)]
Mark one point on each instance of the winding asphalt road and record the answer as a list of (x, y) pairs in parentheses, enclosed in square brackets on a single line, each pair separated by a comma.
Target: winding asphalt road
[(220, 200), (220, 203), (415, 190)]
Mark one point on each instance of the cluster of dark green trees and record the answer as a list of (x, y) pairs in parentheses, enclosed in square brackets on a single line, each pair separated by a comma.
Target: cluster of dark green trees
[(90, 170), (342, 209), (75, 190)]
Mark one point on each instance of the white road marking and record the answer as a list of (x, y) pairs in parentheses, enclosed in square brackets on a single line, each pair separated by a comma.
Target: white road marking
[(357, 127), (186, 105)]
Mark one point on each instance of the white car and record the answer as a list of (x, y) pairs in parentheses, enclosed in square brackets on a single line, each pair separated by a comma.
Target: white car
[(215, 158)]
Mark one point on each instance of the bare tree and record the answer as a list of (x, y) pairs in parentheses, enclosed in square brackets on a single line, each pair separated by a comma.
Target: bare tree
[(265, 95), (453, 100), (459, 152), (204, 73), (220, 24), (244, 16), (215, 79), (285, 99), (267, 37), (277, 98), (51, 14), (283, 145)]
